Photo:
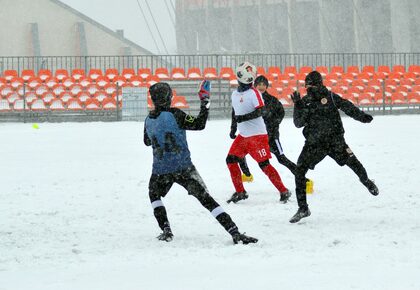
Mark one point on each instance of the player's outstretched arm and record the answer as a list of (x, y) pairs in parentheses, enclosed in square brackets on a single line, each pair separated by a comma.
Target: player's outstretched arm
[(253, 115), (351, 110)]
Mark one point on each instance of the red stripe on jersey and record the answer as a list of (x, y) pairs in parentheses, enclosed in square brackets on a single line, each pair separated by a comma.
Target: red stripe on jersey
[(259, 98)]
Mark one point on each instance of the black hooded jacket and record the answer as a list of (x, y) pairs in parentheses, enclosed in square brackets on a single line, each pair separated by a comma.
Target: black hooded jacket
[(320, 116)]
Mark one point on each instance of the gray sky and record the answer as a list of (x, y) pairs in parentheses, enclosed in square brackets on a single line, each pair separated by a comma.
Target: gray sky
[(126, 14)]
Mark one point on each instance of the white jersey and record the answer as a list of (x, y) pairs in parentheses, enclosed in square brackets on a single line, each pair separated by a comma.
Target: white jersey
[(247, 102)]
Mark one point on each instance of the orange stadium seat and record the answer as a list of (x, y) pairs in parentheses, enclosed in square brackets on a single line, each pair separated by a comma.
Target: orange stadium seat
[(179, 102), (194, 73), (136, 81), (144, 72), (365, 99), (92, 105), (16, 82), (410, 75), (83, 96), (364, 77), (408, 83), (351, 97), (338, 70), (68, 82), (4, 106), (162, 73), (66, 96), (92, 89), (274, 71), (384, 69), (376, 84), (3, 82), (396, 76), (369, 69), (9, 74), (74, 104), (333, 78), (358, 84), (323, 70), (44, 74), (398, 98), (41, 89), (109, 104), (414, 69), (101, 95), (77, 74), (398, 69), (151, 80), (30, 97), (178, 73), (5, 90), (47, 97), (210, 73), (58, 89), (233, 82), (120, 80), (26, 74), (95, 73), (102, 81), (226, 73), (12, 97), (50, 82), (60, 74), (348, 77), (403, 90), (305, 70), (110, 88), (84, 82), (75, 89), (353, 70), (413, 98), (290, 71), (57, 105), (272, 91), (261, 71), (127, 73), (300, 79), (38, 106), (283, 79), (33, 82), (111, 73)]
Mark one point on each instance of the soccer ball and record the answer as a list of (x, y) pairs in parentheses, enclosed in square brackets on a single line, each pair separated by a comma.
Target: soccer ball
[(246, 73)]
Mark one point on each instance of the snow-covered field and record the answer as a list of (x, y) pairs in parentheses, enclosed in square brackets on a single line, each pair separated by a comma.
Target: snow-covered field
[(75, 213)]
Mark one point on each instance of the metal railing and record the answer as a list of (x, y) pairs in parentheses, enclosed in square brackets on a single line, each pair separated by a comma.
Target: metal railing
[(211, 60)]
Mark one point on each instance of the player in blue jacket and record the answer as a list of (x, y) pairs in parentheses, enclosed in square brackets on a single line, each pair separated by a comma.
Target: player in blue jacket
[(164, 130)]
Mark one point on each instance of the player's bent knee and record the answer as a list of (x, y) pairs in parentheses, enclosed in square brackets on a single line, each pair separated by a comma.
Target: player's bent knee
[(264, 164), (232, 159)]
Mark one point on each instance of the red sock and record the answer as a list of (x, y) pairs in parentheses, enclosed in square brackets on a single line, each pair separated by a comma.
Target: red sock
[(275, 178), (235, 174)]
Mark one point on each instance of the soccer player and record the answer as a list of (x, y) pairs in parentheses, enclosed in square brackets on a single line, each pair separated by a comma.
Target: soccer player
[(248, 106), (164, 130), (318, 112)]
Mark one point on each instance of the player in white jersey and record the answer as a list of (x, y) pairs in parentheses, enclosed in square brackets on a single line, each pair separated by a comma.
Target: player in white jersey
[(252, 139)]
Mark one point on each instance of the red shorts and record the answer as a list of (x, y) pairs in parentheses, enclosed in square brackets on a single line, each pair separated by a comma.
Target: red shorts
[(256, 146)]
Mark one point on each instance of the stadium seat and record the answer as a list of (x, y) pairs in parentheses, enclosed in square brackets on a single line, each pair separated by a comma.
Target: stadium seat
[(135, 81), (3, 82), (144, 72), (77, 74), (369, 69), (75, 89), (408, 83), (338, 70), (51, 82), (365, 99), (41, 89), (384, 69), (26, 74), (300, 79), (329, 84), (94, 74), (83, 96), (33, 82), (5, 90), (127, 73), (403, 90), (376, 84), (290, 71), (410, 75), (68, 82), (44, 74), (60, 74), (16, 82), (4, 106), (65, 96), (194, 73), (110, 88), (111, 73), (102, 81), (227, 73), (364, 77), (210, 73), (92, 89), (151, 80), (371, 91), (47, 97), (391, 83), (340, 90), (413, 98), (348, 77), (302, 91), (119, 80), (74, 104), (323, 70), (353, 70), (12, 97), (101, 95), (283, 79), (305, 70), (109, 104), (274, 71), (398, 98), (92, 105), (414, 69), (358, 84), (10, 74), (30, 97), (19, 90), (233, 82), (333, 78), (162, 73), (58, 89), (285, 100), (354, 91), (179, 102), (261, 71), (272, 91), (178, 73), (398, 69), (57, 105), (38, 106), (343, 85)]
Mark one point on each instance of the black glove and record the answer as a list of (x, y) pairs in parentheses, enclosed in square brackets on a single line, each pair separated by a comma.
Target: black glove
[(366, 118), (295, 97), (232, 133)]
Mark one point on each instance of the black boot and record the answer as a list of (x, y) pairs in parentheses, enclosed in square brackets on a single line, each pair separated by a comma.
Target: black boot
[(371, 186), (242, 238), (166, 236), (284, 196), (300, 214), (237, 196)]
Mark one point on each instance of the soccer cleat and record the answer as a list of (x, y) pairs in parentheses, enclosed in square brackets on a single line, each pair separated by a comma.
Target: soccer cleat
[(300, 214), (309, 186), (246, 178), (371, 186), (284, 196), (242, 238), (237, 196), (166, 236)]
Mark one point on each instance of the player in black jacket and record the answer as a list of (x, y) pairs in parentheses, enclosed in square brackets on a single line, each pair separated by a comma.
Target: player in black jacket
[(164, 130), (318, 112)]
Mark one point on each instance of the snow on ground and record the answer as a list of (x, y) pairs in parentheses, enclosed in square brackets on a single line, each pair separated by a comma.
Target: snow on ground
[(75, 213)]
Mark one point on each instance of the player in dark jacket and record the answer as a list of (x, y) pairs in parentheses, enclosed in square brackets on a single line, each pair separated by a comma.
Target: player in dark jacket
[(273, 115), (318, 112), (164, 130)]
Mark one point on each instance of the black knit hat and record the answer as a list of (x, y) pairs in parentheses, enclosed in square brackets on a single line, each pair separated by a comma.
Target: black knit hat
[(261, 79), (161, 94), (314, 78)]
